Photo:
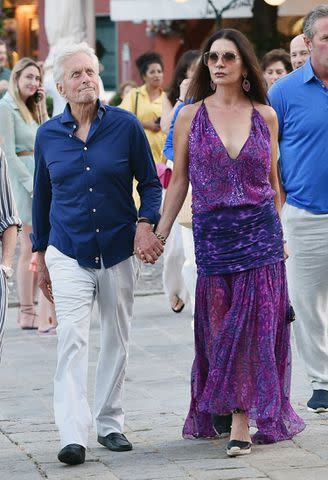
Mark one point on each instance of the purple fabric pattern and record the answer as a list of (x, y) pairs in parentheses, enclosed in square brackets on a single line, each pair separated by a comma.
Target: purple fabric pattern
[(242, 343), (233, 239), (219, 181)]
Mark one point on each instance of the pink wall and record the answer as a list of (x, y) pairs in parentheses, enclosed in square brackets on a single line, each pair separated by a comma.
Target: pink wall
[(134, 34)]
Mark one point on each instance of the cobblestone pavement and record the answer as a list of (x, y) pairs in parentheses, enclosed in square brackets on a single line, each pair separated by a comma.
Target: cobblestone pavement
[(156, 400)]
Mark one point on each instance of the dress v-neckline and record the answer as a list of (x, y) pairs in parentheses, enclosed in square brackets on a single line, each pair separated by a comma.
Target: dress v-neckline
[(219, 138)]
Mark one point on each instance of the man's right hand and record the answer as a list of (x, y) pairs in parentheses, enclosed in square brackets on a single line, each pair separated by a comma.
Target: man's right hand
[(44, 278)]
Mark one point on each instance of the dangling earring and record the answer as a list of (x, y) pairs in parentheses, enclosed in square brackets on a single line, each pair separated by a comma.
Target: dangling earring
[(246, 83), (213, 86)]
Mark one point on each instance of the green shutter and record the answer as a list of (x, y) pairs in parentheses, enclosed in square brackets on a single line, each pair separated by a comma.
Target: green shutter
[(106, 34)]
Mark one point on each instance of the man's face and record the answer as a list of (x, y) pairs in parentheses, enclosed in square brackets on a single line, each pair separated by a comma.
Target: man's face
[(81, 80), (299, 52), (318, 46), (3, 55)]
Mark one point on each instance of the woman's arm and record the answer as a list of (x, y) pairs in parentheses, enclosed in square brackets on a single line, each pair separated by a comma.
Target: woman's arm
[(177, 190), (167, 114), (7, 133), (270, 117), (169, 110)]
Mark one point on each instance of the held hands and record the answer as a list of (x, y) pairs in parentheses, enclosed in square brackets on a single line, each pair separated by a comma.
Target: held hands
[(147, 246)]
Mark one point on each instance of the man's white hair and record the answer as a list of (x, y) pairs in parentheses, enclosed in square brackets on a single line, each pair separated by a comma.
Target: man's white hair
[(63, 53)]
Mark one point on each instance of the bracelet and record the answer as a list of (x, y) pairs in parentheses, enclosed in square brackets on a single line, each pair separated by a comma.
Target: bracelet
[(144, 220), (179, 100), (160, 237)]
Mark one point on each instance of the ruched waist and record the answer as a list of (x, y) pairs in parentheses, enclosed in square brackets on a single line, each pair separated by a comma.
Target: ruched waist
[(233, 239)]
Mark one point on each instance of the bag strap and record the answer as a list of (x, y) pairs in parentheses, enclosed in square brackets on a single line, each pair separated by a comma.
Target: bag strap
[(136, 103)]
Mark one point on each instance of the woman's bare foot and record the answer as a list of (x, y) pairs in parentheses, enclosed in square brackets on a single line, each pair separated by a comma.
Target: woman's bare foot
[(177, 304), (240, 440), (239, 428), (28, 318)]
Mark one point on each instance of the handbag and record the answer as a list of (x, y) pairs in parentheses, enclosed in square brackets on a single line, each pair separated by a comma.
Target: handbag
[(185, 214), (164, 174)]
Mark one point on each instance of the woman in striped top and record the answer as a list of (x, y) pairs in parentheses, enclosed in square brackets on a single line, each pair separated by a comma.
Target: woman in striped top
[(9, 225)]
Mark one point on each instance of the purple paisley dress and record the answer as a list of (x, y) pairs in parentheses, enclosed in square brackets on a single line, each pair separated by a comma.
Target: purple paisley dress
[(242, 335)]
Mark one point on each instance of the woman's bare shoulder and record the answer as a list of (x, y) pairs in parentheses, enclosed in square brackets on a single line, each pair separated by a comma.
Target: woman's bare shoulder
[(188, 112), (267, 112)]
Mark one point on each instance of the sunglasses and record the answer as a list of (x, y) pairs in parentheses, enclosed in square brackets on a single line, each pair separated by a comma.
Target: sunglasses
[(211, 58)]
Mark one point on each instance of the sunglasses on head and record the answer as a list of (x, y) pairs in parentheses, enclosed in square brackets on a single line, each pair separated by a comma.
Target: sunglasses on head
[(213, 57)]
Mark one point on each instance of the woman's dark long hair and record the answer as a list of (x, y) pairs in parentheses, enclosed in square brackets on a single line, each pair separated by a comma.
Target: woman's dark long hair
[(200, 85), (180, 73)]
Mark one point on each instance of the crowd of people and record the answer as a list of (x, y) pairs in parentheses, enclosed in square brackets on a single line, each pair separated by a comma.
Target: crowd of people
[(246, 143)]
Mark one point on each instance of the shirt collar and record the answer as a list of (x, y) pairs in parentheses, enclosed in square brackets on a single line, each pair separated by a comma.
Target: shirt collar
[(308, 72), (67, 116)]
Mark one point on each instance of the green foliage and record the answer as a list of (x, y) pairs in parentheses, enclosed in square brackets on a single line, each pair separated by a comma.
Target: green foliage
[(50, 105)]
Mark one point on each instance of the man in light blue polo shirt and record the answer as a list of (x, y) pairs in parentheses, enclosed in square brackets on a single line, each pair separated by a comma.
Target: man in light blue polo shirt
[(301, 102)]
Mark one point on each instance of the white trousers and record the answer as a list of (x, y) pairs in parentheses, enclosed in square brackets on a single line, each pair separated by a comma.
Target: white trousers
[(74, 290), (307, 275), (173, 260), (189, 269)]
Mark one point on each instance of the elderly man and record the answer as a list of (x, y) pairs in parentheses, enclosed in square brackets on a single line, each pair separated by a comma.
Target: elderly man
[(84, 228), (299, 51), (300, 101), (4, 71), (9, 223)]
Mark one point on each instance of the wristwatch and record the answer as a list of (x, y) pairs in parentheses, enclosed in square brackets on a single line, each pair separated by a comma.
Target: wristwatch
[(144, 220), (8, 271)]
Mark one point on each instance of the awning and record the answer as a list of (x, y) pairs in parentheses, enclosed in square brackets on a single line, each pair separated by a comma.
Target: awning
[(138, 10)]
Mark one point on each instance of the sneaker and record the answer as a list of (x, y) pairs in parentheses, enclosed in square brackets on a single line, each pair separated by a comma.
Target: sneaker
[(318, 403)]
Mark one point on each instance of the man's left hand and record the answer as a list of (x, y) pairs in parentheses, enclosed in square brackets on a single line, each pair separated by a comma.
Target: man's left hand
[(147, 246)]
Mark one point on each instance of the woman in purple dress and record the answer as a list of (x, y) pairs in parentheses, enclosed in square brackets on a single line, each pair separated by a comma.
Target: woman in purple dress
[(226, 144)]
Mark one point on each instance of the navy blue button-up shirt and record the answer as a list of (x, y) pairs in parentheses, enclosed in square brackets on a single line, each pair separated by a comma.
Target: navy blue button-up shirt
[(82, 197)]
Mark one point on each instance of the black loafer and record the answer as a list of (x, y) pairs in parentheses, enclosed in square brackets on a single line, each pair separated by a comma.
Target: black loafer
[(237, 447), (222, 423), (117, 442), (72, 454)]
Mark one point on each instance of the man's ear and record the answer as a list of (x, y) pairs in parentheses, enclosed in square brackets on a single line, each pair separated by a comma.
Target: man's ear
[(308, 43), (60, 89)]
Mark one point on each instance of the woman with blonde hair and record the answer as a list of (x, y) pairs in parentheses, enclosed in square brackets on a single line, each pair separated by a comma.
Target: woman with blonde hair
[(22, 110)]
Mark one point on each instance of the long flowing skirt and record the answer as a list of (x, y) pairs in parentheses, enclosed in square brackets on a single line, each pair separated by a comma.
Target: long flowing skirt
[(243, 358)]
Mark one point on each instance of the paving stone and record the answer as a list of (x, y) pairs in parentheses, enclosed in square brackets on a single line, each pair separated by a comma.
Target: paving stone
[(156, 402)]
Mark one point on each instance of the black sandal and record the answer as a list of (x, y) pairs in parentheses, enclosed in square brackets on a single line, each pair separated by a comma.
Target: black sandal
[(176, 308), (238, 447), (29, 310)]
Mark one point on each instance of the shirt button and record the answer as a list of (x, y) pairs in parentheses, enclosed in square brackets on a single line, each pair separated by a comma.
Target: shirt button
[(85, 148), (88, 168), (70, 135), (97, 230), (74, 126), (94, 210), (97, 259), (90, 189)]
